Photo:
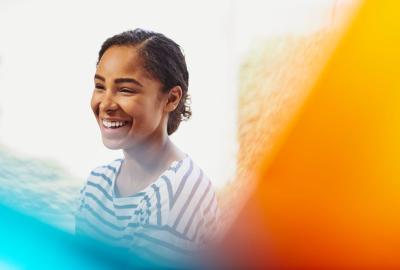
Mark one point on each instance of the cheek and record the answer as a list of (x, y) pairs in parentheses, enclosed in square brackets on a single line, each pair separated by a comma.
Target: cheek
[(129, 107), (144, 113), (94, 103)]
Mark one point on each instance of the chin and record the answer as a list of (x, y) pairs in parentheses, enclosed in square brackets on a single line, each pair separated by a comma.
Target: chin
[(112, 145)]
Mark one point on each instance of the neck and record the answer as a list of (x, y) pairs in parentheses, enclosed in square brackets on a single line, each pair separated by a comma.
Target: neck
[(149, 155)]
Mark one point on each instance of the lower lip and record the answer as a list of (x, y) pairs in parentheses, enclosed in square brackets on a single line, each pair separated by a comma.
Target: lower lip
[(112, 132)]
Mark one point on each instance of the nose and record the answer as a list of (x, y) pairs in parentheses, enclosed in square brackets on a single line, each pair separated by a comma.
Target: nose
[(108, 103)]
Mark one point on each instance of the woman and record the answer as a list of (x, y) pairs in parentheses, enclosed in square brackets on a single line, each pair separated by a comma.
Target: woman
[(155, 201)]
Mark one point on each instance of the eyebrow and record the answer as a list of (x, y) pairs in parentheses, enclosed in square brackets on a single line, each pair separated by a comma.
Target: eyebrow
[(119, 80)]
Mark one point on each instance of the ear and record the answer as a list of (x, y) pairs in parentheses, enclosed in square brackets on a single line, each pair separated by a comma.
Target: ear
[(174, 96)]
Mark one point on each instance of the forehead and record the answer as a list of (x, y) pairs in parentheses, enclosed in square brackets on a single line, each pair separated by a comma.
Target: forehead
[(119, 61)]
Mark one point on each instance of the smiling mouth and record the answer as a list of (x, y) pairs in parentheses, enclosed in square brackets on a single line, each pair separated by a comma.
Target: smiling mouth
[(114, 124)]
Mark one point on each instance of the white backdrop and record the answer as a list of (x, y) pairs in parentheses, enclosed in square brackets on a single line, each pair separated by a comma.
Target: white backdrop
[(48, 52)]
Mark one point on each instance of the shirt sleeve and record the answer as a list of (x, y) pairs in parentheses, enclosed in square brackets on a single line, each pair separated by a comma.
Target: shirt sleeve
[(157, 237), (210, 228), (79, 219), (159, 242)]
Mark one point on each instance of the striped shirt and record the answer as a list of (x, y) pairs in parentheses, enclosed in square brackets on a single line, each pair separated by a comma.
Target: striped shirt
[(171, 218)]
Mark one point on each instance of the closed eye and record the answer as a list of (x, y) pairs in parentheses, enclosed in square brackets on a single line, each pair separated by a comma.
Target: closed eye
[(99, 86), (128, 90)]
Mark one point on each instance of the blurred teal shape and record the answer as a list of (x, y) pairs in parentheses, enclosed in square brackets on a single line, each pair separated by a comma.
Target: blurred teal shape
[(27, 243), (39, 188)]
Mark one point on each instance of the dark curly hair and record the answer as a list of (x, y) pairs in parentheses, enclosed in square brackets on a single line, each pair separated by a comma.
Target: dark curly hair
[(164, 60)]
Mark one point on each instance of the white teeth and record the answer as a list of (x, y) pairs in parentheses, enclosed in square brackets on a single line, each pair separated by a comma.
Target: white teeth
[(113, 124)]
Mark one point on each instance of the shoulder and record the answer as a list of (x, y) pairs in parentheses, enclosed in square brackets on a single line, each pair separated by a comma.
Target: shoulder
[(100, 178), (186, 178), (104, 173), (181, 199), (107, 169)]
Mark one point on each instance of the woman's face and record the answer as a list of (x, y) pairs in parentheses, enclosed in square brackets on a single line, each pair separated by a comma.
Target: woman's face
[(128, 104)]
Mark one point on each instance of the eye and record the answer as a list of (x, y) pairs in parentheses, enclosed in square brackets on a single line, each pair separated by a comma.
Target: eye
[(128, 90), (98, 87)]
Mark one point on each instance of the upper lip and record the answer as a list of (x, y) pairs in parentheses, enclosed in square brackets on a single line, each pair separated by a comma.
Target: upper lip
[(113, 119)]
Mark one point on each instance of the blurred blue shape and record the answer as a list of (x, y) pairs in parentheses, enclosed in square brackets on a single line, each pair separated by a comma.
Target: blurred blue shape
[(27, 243), (38, 188)]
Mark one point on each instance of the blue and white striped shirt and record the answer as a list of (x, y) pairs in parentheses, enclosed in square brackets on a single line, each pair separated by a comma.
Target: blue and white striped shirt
[(172, 217)]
